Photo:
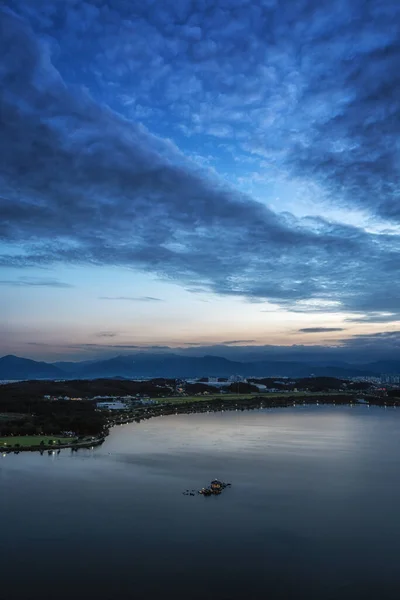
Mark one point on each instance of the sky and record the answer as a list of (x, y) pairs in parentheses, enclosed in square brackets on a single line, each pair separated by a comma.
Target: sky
[(198, 174)]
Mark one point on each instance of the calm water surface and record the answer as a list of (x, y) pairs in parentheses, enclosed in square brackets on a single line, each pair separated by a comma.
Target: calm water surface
[(314, 510)]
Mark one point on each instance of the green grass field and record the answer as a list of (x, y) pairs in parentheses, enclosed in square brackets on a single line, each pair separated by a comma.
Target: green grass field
[(12, 416), (211, 397), (33, 440)]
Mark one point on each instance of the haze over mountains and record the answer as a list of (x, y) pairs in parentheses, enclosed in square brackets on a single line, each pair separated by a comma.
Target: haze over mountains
[(146, 365)]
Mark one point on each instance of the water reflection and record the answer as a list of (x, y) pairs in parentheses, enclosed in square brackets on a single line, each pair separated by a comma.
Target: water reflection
[(313, 510)]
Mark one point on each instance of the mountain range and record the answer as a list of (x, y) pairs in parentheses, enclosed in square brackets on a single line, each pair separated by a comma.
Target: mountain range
[(171, 365)]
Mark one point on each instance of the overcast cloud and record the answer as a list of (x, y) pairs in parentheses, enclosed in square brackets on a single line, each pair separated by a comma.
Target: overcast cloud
[(89, 175)]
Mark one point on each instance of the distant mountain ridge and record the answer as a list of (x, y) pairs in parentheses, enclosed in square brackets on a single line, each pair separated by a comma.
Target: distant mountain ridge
[(14, 367), (175, 365)]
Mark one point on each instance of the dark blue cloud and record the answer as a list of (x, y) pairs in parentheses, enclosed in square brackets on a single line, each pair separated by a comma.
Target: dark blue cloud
[(359, 349), (319, 329), (234, 342), (106, 334), (310, 86), (386, 343), (35, 282), (307, 88), (375, 317), (132, 298)]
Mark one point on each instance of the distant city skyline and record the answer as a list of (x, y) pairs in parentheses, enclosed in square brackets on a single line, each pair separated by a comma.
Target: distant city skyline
[(192, 176)]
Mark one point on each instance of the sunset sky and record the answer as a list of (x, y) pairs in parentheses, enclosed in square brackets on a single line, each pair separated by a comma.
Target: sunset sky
[(196, 173)]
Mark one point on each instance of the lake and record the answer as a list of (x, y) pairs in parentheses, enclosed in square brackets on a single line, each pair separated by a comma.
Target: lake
[(313, 511)]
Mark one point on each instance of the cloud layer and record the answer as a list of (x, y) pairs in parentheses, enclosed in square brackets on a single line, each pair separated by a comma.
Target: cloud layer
[(298, 90), (35, 282), (319, 329), (132, 298)]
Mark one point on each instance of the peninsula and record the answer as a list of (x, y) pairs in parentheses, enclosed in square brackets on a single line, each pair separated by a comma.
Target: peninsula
[(52, 415)]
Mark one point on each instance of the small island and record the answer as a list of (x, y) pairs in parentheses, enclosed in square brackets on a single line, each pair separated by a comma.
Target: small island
[(214, 489)]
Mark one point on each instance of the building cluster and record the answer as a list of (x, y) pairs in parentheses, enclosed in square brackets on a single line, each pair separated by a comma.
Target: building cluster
[(48, 397), (378, 379), (112, 405), (111, 402), (392, 379), (122, 402), (381, 385), (374, 379)]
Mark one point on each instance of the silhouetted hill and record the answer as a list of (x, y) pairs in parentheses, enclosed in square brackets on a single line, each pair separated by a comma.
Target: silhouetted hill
[(161, 365), (72, 367), (79, 388), (13, 367), (173, 365), (389, 367), (169, 365)]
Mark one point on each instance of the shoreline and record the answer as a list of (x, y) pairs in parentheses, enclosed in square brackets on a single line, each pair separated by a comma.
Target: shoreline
[(204, 406), (215, 405), (54, 448)]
